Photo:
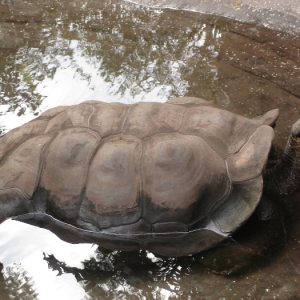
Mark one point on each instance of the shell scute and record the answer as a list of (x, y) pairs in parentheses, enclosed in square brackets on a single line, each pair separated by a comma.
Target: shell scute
[(27, 155), (80, 114), (249, 162), (50, 113), (72, 116), (224, 131), (190, 101), (58, 123), (65, 170), (170, 227), (112, 195), (108, 118), (182, 175), (228, 216), (19, 135), (147, 119)]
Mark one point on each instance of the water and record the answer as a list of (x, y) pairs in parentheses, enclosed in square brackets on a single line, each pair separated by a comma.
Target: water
[(117, 54), (64, 53)]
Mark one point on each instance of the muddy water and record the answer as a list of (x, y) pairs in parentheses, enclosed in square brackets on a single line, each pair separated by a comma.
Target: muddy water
[(64, 53)]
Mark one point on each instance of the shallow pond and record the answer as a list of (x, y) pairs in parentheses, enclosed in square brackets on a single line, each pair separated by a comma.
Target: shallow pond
[(65, 53)]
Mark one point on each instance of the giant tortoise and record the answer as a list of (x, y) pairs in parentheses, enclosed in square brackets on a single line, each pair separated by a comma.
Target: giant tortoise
[(173, 178)]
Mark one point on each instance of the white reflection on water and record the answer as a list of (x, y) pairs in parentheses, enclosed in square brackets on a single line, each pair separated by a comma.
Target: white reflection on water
[(127, 55), (69, 86), (25, 244)]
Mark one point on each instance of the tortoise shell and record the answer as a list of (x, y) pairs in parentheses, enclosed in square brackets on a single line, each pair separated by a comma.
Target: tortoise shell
[(174, 178)]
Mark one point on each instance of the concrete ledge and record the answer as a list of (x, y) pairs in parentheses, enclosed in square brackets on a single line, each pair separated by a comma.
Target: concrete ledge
[(282, 15)]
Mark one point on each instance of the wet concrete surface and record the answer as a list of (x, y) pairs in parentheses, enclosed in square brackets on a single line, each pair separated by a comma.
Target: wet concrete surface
[(66, 52), (276, 14)]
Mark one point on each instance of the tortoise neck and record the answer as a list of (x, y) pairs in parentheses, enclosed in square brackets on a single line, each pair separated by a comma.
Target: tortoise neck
[(284, 177)]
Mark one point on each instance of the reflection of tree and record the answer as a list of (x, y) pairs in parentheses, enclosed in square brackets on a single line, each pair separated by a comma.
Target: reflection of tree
[(132, 275), (142, 275), (21, 85), (155, 48), (136, 50), (15, 284)]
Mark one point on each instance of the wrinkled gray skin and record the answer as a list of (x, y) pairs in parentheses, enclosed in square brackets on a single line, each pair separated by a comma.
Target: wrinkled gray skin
[(176, 178)]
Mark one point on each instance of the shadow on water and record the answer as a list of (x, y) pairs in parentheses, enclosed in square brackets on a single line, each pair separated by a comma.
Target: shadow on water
[(133, 275), (64, 53), (142, 275)]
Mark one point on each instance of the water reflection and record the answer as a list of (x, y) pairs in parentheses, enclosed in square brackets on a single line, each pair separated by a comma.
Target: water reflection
[(120, 275), (119, 54), (15, 284), (64, 53)]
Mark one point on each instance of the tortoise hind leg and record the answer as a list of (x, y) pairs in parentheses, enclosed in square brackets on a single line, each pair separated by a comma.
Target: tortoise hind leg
[(13, 203), (254, 243)]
